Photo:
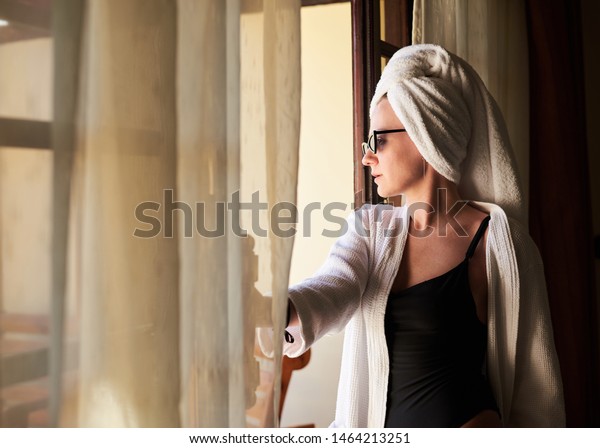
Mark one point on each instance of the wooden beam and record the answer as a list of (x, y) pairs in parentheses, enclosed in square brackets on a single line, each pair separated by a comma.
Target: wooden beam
[(387, 49), (25, 133), (15, 32), (33, 13), (321, 2), (251, 6), (24, 323), (22, 361)]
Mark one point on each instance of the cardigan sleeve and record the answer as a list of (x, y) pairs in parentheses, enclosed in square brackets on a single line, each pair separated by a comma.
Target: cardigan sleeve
[(537, 395), (326, 301)]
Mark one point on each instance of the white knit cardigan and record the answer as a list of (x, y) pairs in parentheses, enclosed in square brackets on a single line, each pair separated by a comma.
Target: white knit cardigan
[(350, 291)]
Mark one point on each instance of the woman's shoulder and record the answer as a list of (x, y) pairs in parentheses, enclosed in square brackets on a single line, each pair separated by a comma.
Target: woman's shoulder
[(472, 217), (500, 221), (505, 228)]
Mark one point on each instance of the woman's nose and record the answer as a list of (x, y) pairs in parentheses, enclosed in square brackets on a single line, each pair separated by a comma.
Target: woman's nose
[(368, 158)]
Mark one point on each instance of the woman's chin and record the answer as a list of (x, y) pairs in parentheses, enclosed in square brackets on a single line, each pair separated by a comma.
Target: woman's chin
[(386, 192)]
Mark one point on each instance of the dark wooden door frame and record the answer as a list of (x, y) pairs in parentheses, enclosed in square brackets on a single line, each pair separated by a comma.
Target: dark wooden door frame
[(368, 49)]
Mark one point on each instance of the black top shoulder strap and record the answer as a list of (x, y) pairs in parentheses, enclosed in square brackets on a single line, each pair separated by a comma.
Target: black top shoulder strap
[(477, 236)]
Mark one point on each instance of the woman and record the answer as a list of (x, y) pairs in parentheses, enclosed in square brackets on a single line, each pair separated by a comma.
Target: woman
[(443, 299)]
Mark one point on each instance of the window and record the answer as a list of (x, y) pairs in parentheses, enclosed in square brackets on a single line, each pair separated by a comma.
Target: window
[(25, 210)]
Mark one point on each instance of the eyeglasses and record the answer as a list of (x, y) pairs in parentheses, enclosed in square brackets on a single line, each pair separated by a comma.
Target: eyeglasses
[(371, 144)]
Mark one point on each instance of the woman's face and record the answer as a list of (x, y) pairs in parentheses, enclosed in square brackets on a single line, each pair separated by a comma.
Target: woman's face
[(398, 166)]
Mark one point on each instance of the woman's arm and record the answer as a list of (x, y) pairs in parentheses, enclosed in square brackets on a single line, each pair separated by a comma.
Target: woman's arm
[(325, 302), (293, 320)]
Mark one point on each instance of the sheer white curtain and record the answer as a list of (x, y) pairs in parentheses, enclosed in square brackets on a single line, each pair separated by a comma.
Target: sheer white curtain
[(492, 36), (174, 113)]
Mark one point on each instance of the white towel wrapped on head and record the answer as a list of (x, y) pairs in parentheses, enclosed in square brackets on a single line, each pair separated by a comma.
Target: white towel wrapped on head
[(455, 123)]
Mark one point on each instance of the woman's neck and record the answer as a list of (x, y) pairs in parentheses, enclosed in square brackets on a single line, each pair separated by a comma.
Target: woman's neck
[(435, 204)]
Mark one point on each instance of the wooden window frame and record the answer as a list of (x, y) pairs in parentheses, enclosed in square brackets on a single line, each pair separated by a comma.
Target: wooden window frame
[(33, 19), (368, 49), (28, 134)]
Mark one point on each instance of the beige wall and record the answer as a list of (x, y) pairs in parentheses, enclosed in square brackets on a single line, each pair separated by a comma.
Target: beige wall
[(325, 176)]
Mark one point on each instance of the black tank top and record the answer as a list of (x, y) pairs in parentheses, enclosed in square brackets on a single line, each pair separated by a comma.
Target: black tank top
[(436, 349)]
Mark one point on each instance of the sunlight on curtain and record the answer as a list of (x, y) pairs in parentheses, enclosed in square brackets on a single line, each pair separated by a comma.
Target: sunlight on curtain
[(182, 114), (492, 36)]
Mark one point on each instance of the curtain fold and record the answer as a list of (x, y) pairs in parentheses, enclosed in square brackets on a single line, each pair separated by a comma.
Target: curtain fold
[(173, 158), (67, 24), (491, 35), (561, 217), (202, 177), (282, 99), (123, 290)]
